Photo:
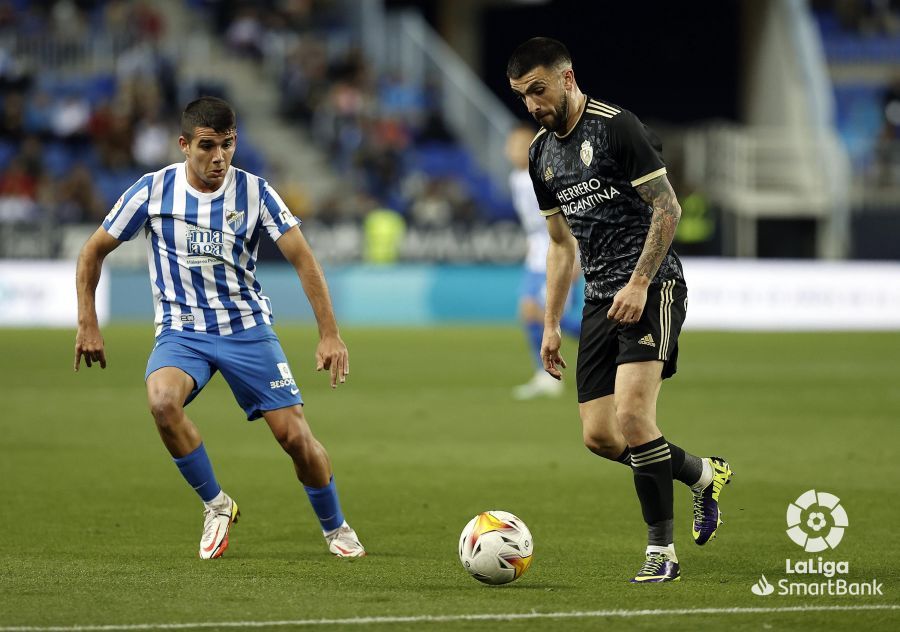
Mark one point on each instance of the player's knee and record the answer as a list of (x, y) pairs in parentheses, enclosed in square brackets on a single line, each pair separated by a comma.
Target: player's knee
[(634, 423), (165, 406), (603, 444), (296, 440), (605, 448)]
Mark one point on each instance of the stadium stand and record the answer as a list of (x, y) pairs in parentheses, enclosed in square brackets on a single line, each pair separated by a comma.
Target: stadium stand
[(88, 103), (385, 135)]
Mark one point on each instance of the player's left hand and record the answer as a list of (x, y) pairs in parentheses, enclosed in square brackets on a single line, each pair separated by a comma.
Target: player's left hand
[(90, 346), (331, 353), (628, 304)]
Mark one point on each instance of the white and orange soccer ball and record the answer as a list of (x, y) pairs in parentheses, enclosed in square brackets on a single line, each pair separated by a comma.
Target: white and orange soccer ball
[(496, 547)]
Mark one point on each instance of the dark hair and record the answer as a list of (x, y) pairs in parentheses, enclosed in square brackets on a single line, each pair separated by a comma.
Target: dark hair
[(538, 51), (209, 112)]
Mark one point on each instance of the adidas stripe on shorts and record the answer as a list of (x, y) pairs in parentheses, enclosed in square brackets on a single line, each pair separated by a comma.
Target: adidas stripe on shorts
[(605, 344)]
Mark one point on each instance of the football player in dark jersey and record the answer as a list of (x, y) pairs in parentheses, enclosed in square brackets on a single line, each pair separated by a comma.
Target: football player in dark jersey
[(601, 183)]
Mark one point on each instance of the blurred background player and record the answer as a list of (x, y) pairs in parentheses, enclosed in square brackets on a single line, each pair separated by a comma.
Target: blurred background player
[(533, 290), (202, 219), (601, 183)]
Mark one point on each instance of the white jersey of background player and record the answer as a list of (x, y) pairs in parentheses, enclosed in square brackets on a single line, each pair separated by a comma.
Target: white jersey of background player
[(533, 288)]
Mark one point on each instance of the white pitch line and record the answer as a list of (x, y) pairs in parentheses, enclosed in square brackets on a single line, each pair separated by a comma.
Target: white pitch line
[(588, 614)]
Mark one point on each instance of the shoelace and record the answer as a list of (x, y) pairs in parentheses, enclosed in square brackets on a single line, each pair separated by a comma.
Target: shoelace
[(209, 526), (337, 535), (698, 508), (653, 564)]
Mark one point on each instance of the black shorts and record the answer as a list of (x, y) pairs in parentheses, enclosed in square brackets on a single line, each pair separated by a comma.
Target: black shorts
[(605, 344)]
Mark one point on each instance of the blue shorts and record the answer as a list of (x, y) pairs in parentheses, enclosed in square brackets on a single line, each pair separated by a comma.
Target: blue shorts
[(251, 361)]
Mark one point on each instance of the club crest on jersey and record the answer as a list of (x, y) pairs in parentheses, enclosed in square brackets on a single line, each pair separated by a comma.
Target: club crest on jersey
[(548, 174), (587, 153), (234, 218)]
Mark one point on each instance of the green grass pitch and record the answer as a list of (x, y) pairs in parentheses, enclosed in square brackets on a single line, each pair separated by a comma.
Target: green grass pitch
[(97, 527)]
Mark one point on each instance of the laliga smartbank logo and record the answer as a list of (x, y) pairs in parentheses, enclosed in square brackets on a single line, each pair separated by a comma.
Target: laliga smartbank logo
[(816, 521)]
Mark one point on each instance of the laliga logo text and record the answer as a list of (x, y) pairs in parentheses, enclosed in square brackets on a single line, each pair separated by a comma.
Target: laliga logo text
[(816, 521), (808, 516)]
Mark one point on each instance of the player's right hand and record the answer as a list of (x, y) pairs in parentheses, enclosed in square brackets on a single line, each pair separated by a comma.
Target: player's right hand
[(550, 352), (89, 344)]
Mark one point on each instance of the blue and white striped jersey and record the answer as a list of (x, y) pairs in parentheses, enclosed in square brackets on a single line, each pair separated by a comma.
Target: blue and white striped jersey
[(201, 247), (534, 224)]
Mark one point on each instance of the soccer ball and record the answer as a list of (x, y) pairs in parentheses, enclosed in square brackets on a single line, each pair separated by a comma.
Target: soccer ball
[(496, 547)]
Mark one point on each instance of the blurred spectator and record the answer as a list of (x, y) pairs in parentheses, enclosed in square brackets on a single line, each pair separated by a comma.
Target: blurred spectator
[(12, 117), (153, 145), (304, 80), (70, 117), (384, 230), (76, 198), (868, 17), (18, 193), (7, 16), (245, 34), (39, 114), (14, 76), (888, 149), (149, 21), (31, 153), (144, 68), (68, 21), (113, 137), (441, 202), (432, 207)]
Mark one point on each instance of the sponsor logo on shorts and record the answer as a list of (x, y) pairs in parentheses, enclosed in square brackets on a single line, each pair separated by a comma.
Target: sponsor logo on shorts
[(647, 340), (286, 378)]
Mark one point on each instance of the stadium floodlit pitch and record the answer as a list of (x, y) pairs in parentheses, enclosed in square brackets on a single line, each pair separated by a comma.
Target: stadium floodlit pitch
[(98, 529)]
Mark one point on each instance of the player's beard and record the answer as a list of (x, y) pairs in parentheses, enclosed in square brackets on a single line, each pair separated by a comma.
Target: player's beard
[(557, 122)]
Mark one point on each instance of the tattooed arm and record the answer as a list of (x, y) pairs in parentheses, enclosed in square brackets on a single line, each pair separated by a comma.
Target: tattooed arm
[(628, 304), (659, 195)]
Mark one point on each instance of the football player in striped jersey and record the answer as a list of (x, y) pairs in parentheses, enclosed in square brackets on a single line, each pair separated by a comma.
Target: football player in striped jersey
[(202, 220)]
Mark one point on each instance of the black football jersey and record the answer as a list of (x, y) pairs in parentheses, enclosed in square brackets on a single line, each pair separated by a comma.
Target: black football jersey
[(590, 174)]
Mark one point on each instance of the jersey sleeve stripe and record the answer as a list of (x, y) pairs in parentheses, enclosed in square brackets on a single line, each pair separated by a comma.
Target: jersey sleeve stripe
[(549, 212), (540, 133), (282, 218), (131, 214), (602, 106), (648, 177), (599, 113)]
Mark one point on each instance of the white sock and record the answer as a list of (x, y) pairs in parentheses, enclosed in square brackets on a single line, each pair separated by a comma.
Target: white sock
[(218, 501), (668, 550), (706, 476), (333, 531)]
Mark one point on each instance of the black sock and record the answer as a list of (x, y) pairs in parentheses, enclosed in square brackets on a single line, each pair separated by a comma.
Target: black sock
[(686, 467), (652, 467)]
